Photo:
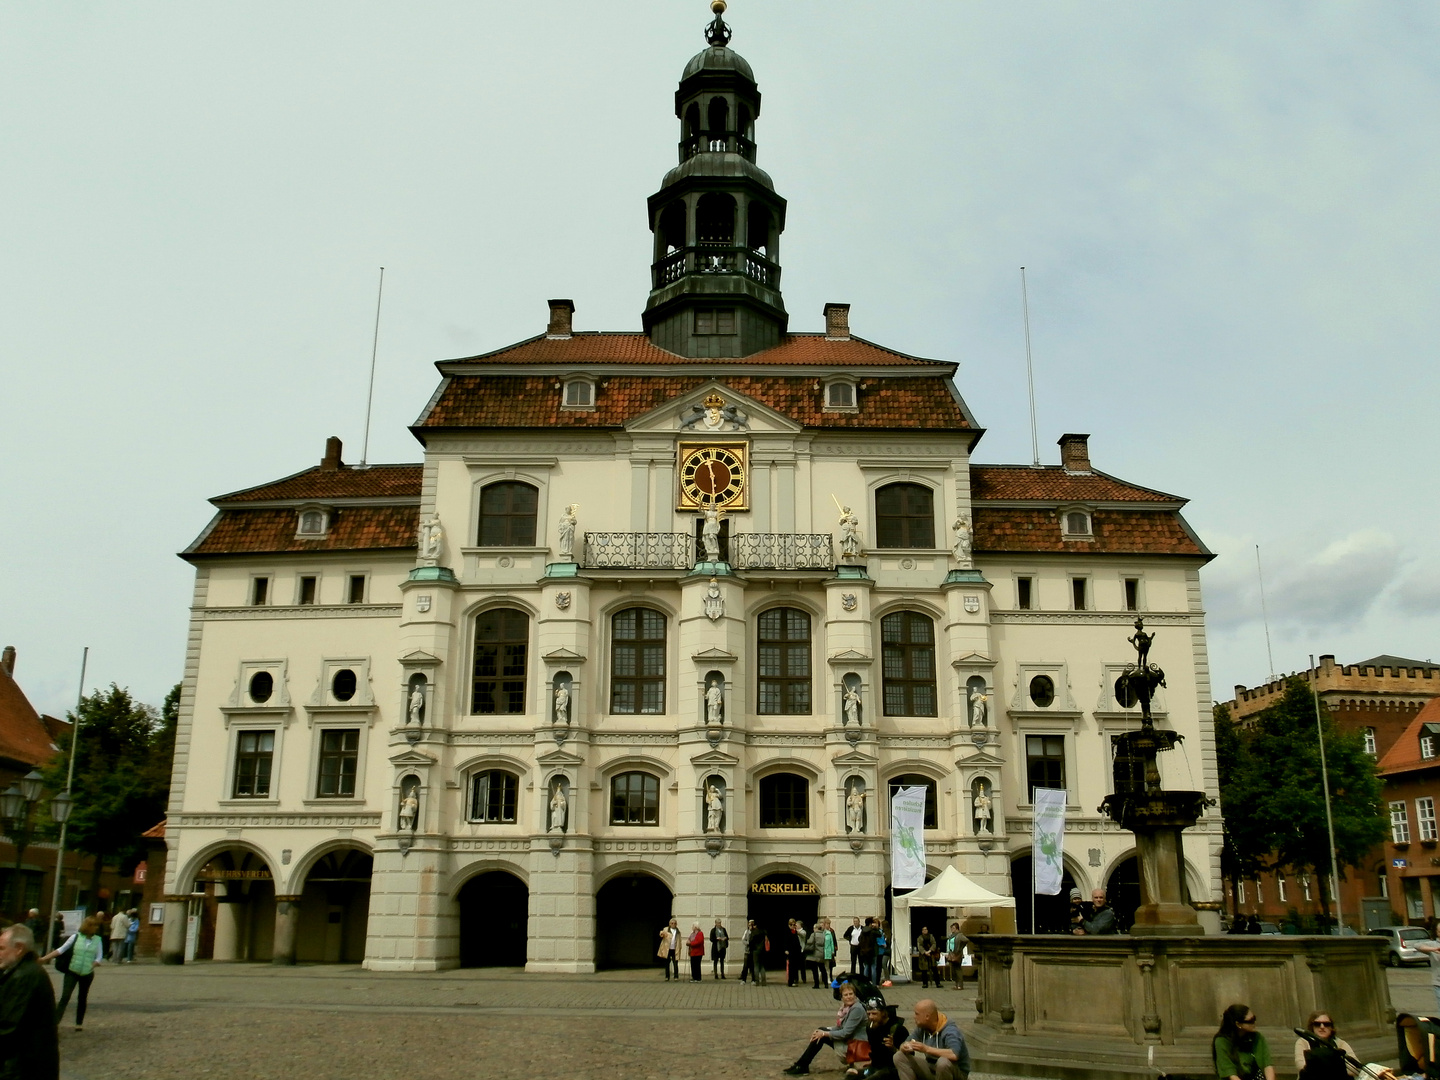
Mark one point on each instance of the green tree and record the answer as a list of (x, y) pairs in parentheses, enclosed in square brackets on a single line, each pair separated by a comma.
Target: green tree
[(1235, 864), (122, 775), (1274, 803)]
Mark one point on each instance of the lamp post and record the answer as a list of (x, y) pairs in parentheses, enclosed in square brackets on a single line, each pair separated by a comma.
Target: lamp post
[(17, 802), (61, 805)]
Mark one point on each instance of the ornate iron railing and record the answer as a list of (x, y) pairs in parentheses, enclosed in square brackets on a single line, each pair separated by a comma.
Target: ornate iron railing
[(715, 259), (782, 551), (733, 144), (639, 551)]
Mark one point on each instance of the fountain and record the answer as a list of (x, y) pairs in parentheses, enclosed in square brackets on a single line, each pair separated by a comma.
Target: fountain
[(1147, 1003)]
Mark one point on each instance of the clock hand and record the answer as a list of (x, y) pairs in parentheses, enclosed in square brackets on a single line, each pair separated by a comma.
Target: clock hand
[(710, 469)]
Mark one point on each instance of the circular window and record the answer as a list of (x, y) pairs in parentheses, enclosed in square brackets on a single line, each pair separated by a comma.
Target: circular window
[(1042, 691), (262, 685), (343, 685)]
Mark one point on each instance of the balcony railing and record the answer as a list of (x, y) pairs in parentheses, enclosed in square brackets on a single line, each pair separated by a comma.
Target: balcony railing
[(639, 551), (782, 551), (723, 144), (715, 259)]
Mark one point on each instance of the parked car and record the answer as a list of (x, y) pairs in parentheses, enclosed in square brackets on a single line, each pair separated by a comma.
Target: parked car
[(1270, 928), (1400, 942)]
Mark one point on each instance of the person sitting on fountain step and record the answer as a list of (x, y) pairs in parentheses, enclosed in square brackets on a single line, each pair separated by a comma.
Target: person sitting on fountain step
[(1320, 1054), (1240, 1052), (846, 1036), (885, 1032), (937, 1050)]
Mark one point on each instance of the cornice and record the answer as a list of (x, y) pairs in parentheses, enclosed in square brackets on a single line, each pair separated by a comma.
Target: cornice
[(355, 820), (300, 611), (1100, 618)]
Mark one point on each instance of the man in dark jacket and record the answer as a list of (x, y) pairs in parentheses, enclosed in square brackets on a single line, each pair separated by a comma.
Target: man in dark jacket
[(1102, 916), (886, 1033), (29, 1044), (868, 939)]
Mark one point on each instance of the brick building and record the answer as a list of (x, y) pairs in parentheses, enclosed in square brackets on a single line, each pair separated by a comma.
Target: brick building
[(1411, 862), (1380, 698)]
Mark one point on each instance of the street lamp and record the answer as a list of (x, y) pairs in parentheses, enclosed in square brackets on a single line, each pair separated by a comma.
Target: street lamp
[(60, 806), (16, 804)]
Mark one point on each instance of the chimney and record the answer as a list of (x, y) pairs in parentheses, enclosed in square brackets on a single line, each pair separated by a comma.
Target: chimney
[(1075, 453), (7, 661), (561, 319), (331, 461), (837, 322)]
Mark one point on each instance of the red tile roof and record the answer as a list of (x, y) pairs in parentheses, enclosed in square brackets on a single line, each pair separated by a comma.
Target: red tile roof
[(347, 482), (24, 738), (352, 528), (533, 401), (1116, 532), (1052, 483), (156, 832), (1404, 753), (594, 347)]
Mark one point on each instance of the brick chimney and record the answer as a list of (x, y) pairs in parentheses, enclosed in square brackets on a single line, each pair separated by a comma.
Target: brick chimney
[(837, 322), (7, 661), (1075, 453), (331, 461), (562, 314)]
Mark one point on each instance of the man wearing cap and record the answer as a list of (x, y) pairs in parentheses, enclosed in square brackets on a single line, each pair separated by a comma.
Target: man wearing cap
[(936, 1049), (885, 1033)]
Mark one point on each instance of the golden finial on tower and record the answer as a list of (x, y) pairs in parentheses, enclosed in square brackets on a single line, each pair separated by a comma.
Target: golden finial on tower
[(717, 33)]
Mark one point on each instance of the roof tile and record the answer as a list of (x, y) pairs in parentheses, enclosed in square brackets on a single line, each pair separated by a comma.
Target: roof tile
[(1051, 483), (347, 482), (1404, 753), (352, 528), (24, 737), (596, 347), (1116, 532)]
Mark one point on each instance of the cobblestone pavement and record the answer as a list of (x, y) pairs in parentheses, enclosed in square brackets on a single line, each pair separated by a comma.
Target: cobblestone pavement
[(257, 1022)]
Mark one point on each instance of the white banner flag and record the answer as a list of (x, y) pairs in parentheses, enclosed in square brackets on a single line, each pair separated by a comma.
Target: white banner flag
[(907, 838), (1048, 843)]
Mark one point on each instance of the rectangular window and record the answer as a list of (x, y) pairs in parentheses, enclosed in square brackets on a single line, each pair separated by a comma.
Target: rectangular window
[(840, 395), (1427, 746), (254, 757), (1425, 817), (718, 321), (1370, 741), (1280, 888), (1023, 587), (493, 796), (637, 662), (1384, 882), (635, 799), (579, 393), (339, 754), (1044, 762), (784, 802), (1305, 886), (357, 589), (308, 585), (1240, 891), (1259, 892), (260, 591), (1132, 594), (1077, 593), (1399, 824), (784, 682)]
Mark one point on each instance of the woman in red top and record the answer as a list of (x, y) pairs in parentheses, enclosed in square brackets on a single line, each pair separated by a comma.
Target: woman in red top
[(696, 941)]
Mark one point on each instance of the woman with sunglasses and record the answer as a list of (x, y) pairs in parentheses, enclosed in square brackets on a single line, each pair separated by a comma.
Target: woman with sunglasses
[(1239, 1051), (1320, 1054)]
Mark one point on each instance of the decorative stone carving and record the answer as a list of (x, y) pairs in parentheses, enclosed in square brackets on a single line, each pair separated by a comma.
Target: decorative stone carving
[(972, 603), (415, 704), (850, 548), (855, 806), (851, 712), (431, 540), (714, 601), (715, 703), (562, 601), (559, 806), (714, 804), (422, 603), (710, 534), (849, 601), (979, 708), (566, 548), (714, 415), (562, 703), (409, 804), (964, 542)]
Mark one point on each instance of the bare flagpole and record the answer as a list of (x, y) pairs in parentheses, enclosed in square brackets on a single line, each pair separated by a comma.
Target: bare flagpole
[(374, 349), (1029, 375), (69, 784), (1264, 613), (1325, 783)]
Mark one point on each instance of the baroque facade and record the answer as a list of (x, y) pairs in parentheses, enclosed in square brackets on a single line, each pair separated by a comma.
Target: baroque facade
[(657, 626)]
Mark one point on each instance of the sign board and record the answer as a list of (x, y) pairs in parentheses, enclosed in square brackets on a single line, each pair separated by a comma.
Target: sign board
[(785, 888), (140, 869), (72, 920)]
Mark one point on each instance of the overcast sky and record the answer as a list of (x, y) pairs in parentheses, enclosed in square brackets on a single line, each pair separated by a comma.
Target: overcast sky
[(1227, 212)]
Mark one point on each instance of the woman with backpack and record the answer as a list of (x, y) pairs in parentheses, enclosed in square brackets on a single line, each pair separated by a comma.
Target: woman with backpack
[(77, 959)]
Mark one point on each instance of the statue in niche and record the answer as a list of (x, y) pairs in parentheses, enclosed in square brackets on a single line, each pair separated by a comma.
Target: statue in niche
[(849, 534), (855, 807), (982, 804), (562, 703), (559, 806), (714, 602), (415, 711), (409, 806), (432, 538), (714, 806), (851, 698), (979, 707), (964, 541), (714, 703), (710, 533), (567, 532)]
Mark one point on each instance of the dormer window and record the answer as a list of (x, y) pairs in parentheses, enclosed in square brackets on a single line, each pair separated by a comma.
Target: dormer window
[(579, 394), (840, 395), (1427, 746), (1075, 524), (313, 523)]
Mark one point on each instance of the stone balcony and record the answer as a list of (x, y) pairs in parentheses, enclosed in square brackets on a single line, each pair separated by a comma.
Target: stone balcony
[(681, 551)]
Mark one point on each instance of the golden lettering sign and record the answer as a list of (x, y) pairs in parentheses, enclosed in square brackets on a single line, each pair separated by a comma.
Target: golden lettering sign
[(784, 888), (232, 875)]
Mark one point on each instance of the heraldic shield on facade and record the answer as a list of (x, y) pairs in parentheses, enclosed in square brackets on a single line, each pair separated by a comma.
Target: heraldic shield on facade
[(657, 627)]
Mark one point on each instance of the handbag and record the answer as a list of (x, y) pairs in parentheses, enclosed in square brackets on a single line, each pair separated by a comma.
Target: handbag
[(857, 1051), (62, 961)]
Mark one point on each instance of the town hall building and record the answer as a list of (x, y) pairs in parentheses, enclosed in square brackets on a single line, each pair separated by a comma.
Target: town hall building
[(657, 626)]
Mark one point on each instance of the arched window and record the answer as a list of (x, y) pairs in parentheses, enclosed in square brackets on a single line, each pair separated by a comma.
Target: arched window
[(1077, 523), (493, 796), (718, 114), (907, 641), (692, 119), (672, 228), (931, 798), (502, 642), (507, 514), (746, 127), (715, 219), (637, 661), (904, 516), (635, 799), (757, 227), (784, 662), (784, 802)]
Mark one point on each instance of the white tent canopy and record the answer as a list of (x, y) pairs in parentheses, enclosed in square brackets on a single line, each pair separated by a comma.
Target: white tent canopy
[(950, 889)]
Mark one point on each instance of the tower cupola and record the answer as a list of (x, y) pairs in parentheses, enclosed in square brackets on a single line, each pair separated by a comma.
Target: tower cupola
[(715, 278)]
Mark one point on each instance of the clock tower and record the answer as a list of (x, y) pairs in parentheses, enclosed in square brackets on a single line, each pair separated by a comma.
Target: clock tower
[(715, 277)]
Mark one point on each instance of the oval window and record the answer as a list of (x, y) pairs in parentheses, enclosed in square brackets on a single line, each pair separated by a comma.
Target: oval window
[(343, 685), (262, 685), (1042, 691)]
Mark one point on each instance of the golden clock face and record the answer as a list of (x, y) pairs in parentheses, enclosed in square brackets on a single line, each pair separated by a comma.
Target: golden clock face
[(712, 476)]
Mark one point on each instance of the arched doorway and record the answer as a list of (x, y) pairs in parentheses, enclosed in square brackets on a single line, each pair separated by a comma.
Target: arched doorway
[(335, 909), (1122, 892), (1052, 913), (494, 920), (775, 899), (237, 916), (629, 911)]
